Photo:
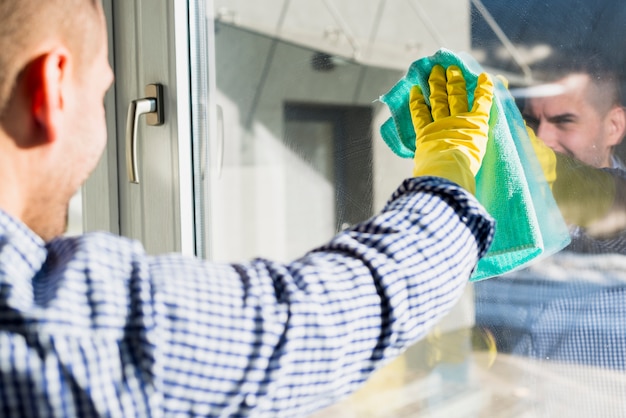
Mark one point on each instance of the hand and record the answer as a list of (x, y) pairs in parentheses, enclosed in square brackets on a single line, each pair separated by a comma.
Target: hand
[(450, 139)]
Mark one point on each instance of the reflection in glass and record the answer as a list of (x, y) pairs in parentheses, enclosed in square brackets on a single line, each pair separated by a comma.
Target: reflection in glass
[(298, 159), (298, 84), (75, 215)]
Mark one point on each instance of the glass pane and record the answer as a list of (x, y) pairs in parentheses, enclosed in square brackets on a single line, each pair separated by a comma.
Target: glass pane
[(295, 148), (75, 215), (294, 155), (311, 141)]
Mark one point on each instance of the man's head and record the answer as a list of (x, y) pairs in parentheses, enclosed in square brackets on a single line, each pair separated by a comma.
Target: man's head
[(54, 73), (579, 111)]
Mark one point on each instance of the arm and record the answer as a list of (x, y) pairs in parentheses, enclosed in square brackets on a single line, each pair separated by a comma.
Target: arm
[(590, 198), (92, 326), (285, 340)]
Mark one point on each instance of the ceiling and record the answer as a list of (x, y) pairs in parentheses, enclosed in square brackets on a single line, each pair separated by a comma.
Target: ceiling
[(386, 33), (506, 36)]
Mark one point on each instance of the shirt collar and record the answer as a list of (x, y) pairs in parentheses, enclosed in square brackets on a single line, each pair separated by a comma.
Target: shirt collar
[(617, 163), (22, 256)]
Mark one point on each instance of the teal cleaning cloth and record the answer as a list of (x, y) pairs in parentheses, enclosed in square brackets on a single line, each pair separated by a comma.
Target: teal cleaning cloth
[(510, 183)]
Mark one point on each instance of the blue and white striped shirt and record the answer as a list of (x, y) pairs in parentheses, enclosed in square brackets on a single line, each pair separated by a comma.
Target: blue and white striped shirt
[(91, 326), (566, 308)]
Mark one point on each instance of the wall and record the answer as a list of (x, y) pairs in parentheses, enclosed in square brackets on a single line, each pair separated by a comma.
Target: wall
[(269, 201)]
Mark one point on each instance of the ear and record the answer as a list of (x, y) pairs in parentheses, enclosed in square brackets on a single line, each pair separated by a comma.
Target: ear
[(44, 85), (616, 120)]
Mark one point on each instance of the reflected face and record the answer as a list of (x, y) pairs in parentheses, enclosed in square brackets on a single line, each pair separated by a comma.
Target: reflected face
[(569, 122)]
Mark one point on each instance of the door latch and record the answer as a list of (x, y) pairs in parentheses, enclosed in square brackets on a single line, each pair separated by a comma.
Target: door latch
[(152, 107)]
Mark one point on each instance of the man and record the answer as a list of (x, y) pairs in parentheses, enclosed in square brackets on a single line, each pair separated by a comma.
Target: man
[(92, 326), (579, 113), (570, 307)]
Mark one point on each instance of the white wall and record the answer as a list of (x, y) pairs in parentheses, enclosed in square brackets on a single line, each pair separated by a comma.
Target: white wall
[(268, 202)]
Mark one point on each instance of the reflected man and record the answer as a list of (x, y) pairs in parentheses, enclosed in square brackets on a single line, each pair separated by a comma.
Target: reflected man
[(569, 307), (580, 113)]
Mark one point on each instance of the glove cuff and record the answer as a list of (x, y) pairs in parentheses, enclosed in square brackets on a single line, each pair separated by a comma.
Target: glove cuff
[(451, 164)]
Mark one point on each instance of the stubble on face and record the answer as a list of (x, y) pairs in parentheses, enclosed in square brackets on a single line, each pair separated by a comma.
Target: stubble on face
[(82, 142), (571, 122)]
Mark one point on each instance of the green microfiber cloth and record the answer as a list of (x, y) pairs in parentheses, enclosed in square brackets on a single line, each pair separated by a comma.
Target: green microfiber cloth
[(510, 183)]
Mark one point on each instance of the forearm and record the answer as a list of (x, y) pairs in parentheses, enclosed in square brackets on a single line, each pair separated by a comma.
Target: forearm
[(418, 254)]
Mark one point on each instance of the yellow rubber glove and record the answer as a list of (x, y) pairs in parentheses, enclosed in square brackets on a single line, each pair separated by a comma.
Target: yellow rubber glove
[(585, 195), (450, 139)]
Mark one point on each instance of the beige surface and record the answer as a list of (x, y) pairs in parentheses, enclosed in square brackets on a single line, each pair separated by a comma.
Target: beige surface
[(458, 375)]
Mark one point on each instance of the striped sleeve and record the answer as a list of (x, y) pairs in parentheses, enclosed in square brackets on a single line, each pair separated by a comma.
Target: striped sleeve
[(271, 339)]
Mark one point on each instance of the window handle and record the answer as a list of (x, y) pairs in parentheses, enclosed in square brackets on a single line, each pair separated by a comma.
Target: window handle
[(152, 107)]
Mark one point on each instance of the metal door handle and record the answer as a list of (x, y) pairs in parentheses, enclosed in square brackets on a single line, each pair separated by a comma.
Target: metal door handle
[(152, 107)]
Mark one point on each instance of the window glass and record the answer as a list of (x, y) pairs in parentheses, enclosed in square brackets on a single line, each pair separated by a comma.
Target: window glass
[(300, 157), (75, 215)]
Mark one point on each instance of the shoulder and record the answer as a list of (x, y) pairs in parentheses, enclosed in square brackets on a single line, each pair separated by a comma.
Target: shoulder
[(97, 254), (87, 284)]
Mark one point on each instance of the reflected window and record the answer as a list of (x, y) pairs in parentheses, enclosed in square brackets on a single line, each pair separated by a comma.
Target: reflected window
[(298, 83), (336, 142)]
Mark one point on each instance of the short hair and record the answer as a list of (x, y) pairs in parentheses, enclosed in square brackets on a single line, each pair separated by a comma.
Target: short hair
[(602, 71), (26, 23)]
